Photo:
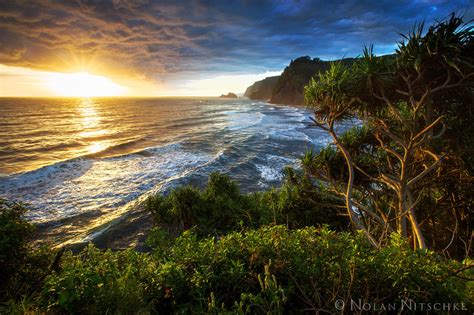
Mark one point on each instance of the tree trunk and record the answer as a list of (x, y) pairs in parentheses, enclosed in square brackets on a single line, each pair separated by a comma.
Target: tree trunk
[(414, 223), (350, 183)]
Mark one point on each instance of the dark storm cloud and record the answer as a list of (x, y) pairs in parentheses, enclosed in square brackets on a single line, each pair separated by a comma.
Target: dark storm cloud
[(163, 38)]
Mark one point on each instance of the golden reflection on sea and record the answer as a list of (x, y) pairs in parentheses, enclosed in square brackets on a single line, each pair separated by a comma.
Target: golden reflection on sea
[(91, 126), (89, 116), (96, 147)]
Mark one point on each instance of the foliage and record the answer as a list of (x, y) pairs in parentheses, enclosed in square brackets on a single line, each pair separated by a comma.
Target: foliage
[(330, 91), (408, 169), (220, 207), (270, 269), (23, 267), (267, 270), (98, 282), (14, 234), (290, 87)]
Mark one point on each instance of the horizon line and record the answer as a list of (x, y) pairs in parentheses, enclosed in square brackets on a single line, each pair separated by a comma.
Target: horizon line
[(120, 96)]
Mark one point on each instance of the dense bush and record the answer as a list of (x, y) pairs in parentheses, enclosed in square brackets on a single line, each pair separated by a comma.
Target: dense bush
[(15, 233), (217, 209), (22, 267), (271, 269), (220, 207), (96, 282)]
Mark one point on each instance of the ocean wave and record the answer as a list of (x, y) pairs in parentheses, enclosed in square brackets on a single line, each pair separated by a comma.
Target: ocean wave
[(100, 225), (268, 173), (66, 145), (85, 194), (66, 169), (32, 134), (271, 170), (242, 120), (186, 123), (118, 149), (291, 134), (166, 147), (58, 190)]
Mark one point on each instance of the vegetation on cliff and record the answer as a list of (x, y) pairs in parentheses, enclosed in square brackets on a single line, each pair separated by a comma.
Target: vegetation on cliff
[(290, 86), (262, 90), (382, 217), (270, 269)]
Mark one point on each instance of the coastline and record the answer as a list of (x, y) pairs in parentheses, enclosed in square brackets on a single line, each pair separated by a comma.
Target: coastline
[(130, 227), (121, 226)]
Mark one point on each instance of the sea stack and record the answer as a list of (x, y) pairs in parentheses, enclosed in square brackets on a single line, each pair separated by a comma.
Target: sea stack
[(229, 95)]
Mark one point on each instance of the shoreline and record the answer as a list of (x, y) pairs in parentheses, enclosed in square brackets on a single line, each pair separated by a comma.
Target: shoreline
[(123, 227)]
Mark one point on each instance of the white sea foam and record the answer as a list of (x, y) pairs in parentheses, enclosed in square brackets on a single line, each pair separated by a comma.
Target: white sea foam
[(268, 173), (242, 120), (291, 135), (272, 169), (252, 142), (66, 188)]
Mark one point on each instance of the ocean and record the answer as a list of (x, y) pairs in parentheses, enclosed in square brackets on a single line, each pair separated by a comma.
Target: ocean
[(82, 164)]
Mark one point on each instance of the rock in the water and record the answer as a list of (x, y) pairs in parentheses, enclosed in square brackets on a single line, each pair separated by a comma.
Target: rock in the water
[(229, 95)]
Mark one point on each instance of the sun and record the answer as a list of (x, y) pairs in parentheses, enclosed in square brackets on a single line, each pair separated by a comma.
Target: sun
[(83, 84)]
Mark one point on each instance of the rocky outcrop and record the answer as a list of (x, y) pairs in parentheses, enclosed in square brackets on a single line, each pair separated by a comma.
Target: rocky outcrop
[(290, 86), (262, 90), (229, 95)]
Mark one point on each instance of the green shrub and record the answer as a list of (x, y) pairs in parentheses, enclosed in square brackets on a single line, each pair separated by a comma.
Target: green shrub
[(23, 267), (97, 282), (267, 270), (221, 208), (14, 235), (301, 204), (217, 209)]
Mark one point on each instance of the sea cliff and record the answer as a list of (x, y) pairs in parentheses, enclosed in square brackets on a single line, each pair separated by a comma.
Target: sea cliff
[(263, 89), (288, 87)]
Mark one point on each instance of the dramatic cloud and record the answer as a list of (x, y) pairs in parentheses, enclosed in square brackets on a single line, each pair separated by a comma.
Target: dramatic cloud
[(170, 40)]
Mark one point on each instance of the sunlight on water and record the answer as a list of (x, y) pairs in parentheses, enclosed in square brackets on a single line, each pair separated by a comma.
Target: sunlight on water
[(96, 147), (91, 126), (79, 162), (88, 113), (94, 133)]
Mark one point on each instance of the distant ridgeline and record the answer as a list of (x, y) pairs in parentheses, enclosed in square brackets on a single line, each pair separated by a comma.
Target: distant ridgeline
[(288, 87)]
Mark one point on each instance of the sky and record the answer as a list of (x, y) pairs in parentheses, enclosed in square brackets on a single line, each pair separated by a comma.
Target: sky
[(158, 48)]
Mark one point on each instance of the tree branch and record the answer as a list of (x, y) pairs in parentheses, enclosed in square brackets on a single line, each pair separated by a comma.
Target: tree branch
[(426, 171)]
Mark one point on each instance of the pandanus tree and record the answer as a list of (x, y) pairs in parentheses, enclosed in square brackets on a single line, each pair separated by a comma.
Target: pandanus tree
[(331, 96), (410, 166)]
